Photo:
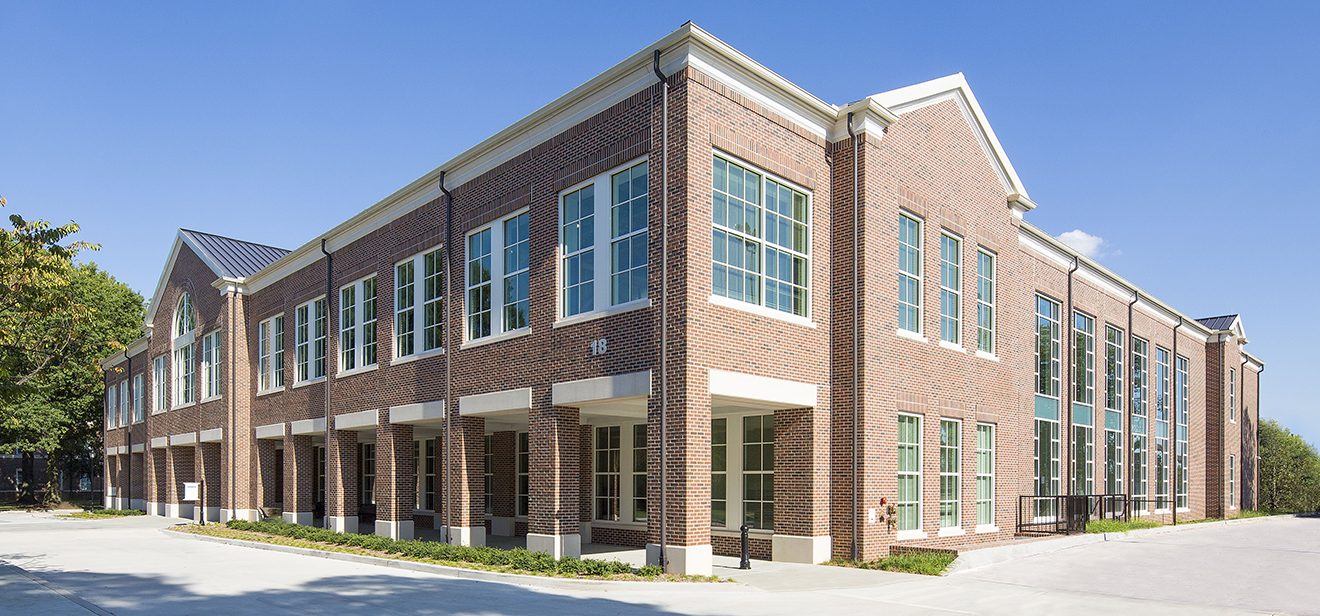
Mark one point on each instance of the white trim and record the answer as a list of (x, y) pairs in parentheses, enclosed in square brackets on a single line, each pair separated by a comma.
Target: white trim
[(762, 389), (416, 356), (605, 312), (496, 401), (269, 431), (909, 535), (952, 531), (493, 338), (759, 310), (953, 346), (986, 528), (358, 420), (419, 412), (987, 356), (187, 438), (360, 338), (602, 237), (214, 435), (160, 442), (300, 427), (618, 386), (910, 335)]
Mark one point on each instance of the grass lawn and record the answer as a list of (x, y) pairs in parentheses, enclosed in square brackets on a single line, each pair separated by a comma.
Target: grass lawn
[(518, 561), (1253, 513), (924, 563), (1118, 526), (98, 514)]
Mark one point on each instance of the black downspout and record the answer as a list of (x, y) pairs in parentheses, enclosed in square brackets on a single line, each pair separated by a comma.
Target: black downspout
[(329, 285), (856, 302), (1132, 406), (1068, 384), (128, 434), (233, 412), (446, 532), (664, 307), (1173, 402), (1242, 420)]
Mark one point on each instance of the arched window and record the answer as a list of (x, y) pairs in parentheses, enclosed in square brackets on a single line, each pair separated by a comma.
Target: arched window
[(185, 371)]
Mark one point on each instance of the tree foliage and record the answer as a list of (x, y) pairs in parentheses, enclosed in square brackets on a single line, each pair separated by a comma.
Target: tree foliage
[(1289, 471)]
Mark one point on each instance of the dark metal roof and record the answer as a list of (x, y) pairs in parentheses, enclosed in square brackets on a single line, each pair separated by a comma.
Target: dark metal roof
[(238, 258), (1219, 323)]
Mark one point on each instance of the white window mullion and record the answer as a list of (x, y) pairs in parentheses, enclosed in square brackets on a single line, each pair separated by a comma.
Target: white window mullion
[(497, 277), (601, 236)]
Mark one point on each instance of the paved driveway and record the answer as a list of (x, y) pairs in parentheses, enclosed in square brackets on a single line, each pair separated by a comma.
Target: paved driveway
[(129, 566)]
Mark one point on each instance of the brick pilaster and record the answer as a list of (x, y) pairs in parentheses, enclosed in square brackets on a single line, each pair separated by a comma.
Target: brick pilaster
[(299, 474), (554, 504), (504, 483), (396, 472), (341, 482)]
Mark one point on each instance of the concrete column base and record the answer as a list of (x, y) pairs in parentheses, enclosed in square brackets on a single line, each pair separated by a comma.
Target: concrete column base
[(247, 515), (137, 503), (342, 523), (108, 502), (153, 508), (502, 527), (584, 529), (799, 549), (212, 515), (171, 510), (303, 518), (558, 546), (683, 559), (474, 536), (394, 529)]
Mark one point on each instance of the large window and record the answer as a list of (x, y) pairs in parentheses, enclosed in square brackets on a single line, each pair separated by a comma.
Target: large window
[(418, 309), (123, 403), (159, 379), (183, 344), (1083, 407), (427, 501), (577, 244), (1140, 417), (270, 354), (488, 467), (1232, 481), (1183, 393), (139, 399), (1232, 394), (985, 475), (759, 220), (950, 289), (628, 210), (758, 474), (524, 464), (211, 366), (909, 273), (639, 472), (719, 472), (1162, 400), (592, 280), (112, 406), (607, 472), (985, 301), (357, 325), (1113, 410), (367, 458), (310, 325), (1046, 433), (950, 473), (497, 278), (908, 502)]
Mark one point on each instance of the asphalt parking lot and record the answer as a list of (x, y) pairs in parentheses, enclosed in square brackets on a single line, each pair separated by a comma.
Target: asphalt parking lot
[(132, 566)]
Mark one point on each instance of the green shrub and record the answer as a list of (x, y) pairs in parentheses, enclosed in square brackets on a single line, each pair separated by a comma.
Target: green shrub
[(96, 514), (924, 563), (1119, 526)]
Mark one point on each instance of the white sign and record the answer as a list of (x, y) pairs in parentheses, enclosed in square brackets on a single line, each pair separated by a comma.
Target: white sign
[(191, 491)]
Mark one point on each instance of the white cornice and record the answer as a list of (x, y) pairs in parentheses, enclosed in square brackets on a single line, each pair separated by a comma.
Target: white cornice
[(869, 117)]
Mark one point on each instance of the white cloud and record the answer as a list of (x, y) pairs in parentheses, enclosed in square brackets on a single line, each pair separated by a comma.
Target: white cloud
[(1091, 246)]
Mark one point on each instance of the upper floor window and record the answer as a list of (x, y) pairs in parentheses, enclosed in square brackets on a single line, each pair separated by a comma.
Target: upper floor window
[(357, 325), (184, 319), (762, 239), (418, 311), (139, 398), (211, 365), (1113, 368), (1232, 394), (909, 273), (950, 288), (270, 354), (1140, 377), (123, 403), (1162, 394), (310, 332), (497, 262), (112, 407), (985, 301), (628, 258), (1047, 347), (159, 378), (1083, 372), (609, 212), (183, 345)]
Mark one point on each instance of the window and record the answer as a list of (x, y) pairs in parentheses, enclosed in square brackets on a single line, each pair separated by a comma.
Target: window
[(159, 378), (310, 325), (139, 399), (950, 473), (577, 241), (367, 456), (985, 475), (1113, 410), (1046, 434), (1083, 407), (211, 366), (270, 354), (1140, 433), (639, 473), (908, 502), (628, 258), (1047, 347), (719, 472), (1162, 394), (478, 284), (428, 475), (758, 474), (1232, 481), (111, 407), (515, 273), (760, 220), (909, 273), (123, 403), (1180, 434), (185, 375), (489, 471), (1232, 394), (985, 301), (357, 325), (950, 289), (497, 276), (607, 473), (415, 330), (523, 465)]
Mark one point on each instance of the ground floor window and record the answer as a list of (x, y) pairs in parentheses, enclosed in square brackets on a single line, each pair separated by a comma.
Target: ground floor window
[(319, 456), (1140, 486), (524, 463), (1232, 482), (1113, 462), (490, 470), (743, 472), (426, 474), (1161, 473), (719, 455), (1083, 452), (639, 473), (908, 501), (1046, 459), (950, 473), (607, 473), (367, 458), (985, 474)]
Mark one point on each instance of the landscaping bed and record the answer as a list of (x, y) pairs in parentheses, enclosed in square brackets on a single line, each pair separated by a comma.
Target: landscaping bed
[(1119, 526), (517, 561), (99, 514), (919, 562)]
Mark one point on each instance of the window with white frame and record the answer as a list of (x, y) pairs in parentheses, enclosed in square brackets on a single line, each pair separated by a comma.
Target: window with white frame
[(985, 474), (1140, 408), (111, 406), (1113, 410), (515, 267), (524, 464), (761, 240), (367, 456), (497, 262), (609, 211), (1232, 481), (310, 327), (427, 498), (985, 301), (418, 310), (719, 472), (909, 273), (1182, 390), (628, 211), (123, 403), (950, 288), (211, 366), (577, 245), (488, 466), (159, 380), (950, 473), (758, 471), (270, 354), (1083, 404), (1232, 394), (183, 345), (139, 398), (607, 473), (1045, 452), (1162, 398), (357, 325), (908, 501), (639, 472)]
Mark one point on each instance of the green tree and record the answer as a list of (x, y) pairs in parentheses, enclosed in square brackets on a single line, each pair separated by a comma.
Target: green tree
[(1289, 471)]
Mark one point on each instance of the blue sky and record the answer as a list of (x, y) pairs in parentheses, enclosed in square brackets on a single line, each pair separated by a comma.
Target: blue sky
[(1183, 137)]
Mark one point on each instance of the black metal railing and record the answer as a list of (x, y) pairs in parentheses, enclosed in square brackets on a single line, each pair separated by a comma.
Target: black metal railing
[(1065, 514)]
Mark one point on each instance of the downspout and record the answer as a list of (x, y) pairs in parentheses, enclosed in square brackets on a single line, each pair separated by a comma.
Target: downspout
[(449, 362), (128, 434), (1223, 446), (1255, 463), (664, 307), (1068, 385), (233, 411), (856, 345), (1242, 420), (1173, 402), (1132, 405), (329, 284)]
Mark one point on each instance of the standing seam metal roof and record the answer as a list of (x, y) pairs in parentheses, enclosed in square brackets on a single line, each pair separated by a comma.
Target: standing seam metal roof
[(1219, 323), (238, 258)]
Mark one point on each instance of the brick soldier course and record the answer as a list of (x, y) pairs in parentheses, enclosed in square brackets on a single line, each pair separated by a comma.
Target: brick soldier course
[(514, 297)]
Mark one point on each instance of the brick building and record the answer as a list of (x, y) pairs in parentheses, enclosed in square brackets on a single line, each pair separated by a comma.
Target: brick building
[(864, 343)]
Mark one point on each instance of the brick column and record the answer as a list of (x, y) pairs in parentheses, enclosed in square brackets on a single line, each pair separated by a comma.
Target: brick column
[(180, 464), (396, 479), (465, 481), (299, 479), (267, 493), (554, 507), (802, 532), (156, 482), (341, 482), (687, 475), (586, 490), (207, 456), (137, 493), (504, 483)]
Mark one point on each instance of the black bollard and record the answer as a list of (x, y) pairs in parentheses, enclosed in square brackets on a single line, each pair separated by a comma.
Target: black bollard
[(746, 562)]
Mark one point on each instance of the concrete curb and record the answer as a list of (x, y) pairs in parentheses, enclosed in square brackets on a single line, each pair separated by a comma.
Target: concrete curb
[(975, 559), (468, 574)]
